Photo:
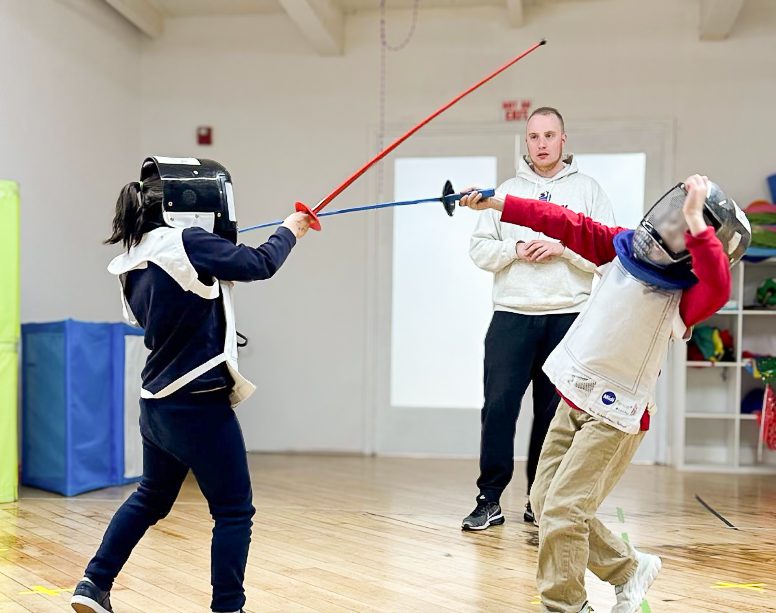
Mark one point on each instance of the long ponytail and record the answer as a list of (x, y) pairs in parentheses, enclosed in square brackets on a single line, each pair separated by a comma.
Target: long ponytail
[(138, 210)]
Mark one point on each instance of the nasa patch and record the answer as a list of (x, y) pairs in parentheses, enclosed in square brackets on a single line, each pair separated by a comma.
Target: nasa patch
[(609, 398)]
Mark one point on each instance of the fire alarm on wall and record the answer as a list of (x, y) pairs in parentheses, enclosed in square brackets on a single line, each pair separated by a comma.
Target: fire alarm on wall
[(204, 135)]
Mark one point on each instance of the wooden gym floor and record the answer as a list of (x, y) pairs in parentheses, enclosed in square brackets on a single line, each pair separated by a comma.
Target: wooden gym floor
[(349, 533)]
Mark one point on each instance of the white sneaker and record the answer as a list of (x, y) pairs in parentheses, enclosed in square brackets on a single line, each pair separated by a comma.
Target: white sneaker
[(631, 593)]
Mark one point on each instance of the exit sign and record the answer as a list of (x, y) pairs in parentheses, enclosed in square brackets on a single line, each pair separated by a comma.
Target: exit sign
[(516, 110)]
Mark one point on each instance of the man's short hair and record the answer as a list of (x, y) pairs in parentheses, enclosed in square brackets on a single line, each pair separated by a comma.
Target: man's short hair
[(548, 110)]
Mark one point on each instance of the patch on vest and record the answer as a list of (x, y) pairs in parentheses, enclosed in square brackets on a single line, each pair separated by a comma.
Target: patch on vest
[(609, 398), (583, 383)]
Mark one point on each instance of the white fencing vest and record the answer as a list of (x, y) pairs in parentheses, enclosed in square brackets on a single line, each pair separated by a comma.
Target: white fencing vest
[(609, 360), (164, 247)]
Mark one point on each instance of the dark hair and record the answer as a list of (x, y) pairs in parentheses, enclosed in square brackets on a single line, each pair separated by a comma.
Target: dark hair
[(548, 110), (138, 210)]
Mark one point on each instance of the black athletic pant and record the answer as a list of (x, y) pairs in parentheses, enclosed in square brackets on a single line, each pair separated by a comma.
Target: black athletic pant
[(181, 432), (516, 347)]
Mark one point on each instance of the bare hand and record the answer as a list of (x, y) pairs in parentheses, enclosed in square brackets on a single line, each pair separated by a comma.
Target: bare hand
[(475, 201), (298, 223), (541, 251), (697, 188)]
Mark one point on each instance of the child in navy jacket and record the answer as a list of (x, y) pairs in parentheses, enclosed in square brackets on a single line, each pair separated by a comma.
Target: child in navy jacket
[(176, 284)]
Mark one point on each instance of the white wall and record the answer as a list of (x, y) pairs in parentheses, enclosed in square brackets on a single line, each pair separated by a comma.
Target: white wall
[(282, 124), (69, 134), (84, 97), (290, 125)]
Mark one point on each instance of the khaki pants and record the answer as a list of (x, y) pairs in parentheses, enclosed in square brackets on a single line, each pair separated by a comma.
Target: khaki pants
[(582, 459)]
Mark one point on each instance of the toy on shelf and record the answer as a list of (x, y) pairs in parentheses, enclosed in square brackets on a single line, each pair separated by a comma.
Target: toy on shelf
[(710, 344), (766, 294), (762, 217), (762, 367), (767, 420)]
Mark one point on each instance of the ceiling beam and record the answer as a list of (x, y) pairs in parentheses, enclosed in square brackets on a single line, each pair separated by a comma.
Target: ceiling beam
[(515, 13), (321, 21), (142, 14), (718, 18)]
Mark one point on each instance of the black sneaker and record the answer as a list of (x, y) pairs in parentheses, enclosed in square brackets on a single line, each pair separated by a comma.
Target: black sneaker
[(88, 598), (528, 514), (484, 515)]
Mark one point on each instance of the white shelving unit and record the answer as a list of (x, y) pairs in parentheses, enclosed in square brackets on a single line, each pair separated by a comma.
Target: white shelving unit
[(711, 433)]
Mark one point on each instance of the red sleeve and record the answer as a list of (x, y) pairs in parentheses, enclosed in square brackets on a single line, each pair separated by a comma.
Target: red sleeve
[(712, 267), (581, 234)]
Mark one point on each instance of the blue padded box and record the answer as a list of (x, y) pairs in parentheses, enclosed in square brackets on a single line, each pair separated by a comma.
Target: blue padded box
[(80, 384)]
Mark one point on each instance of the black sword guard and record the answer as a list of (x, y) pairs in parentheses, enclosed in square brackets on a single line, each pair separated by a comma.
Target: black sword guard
[(447, 202)]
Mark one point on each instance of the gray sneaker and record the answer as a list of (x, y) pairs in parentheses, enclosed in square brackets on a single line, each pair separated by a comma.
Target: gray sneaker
[(88, 598), (486, 514)]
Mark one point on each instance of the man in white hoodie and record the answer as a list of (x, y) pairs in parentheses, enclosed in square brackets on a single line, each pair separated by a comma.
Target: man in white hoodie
[(539, 288)]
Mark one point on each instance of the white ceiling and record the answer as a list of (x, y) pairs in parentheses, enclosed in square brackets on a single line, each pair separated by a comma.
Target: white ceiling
[(322, 21), (184, 8), (363, 5)]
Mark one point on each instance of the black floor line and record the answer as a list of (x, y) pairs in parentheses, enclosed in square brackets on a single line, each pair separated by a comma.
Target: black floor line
[(713, 512)]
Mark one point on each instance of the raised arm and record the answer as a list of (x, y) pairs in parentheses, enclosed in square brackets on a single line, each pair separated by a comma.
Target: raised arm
[(710, 265), (217, 257), (709, 262), (580, 233)]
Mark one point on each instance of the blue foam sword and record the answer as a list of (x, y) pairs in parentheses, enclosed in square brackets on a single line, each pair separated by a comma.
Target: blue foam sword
[(449, 199)]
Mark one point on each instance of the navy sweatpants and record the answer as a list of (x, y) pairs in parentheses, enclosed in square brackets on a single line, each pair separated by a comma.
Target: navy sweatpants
[(198, 432), (516, 347)]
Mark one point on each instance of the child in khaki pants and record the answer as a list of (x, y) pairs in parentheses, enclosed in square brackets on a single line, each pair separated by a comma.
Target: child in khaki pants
[(671, 272)]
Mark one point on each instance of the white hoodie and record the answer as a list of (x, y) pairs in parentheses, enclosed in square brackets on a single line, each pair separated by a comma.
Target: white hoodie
[(559, 286)]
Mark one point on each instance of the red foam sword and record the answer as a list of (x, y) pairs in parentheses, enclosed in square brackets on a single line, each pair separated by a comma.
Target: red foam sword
[(316, 224)]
